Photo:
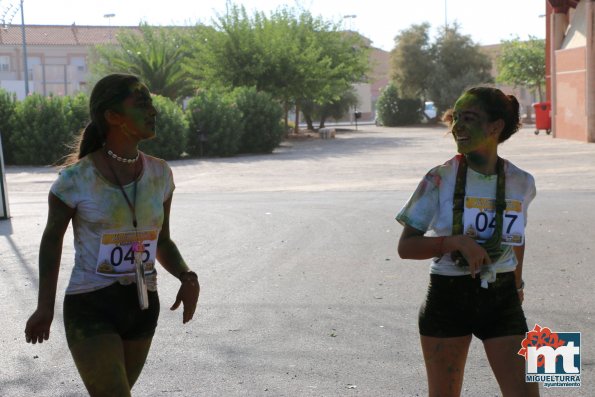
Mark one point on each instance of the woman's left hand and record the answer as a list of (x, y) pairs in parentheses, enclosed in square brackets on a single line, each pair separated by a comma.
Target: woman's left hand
[(187, 294)]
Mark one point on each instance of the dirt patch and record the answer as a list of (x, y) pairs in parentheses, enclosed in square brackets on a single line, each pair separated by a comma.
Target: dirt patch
[(303, 135)]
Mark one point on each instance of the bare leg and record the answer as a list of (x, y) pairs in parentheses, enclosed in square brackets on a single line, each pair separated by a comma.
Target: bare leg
[(509, 367), (445, 364), (135, 355), (100, 362)]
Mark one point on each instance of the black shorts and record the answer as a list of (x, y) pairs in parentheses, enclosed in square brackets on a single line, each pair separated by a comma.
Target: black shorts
[(113, 309), (458, 306)]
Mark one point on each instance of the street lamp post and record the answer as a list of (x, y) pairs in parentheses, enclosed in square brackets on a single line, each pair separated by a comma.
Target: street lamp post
[(109, 23), (109, 18), (24, 50), (350, 17)]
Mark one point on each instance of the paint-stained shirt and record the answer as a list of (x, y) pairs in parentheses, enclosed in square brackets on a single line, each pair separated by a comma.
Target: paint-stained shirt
[(102, 213), (430, 207)]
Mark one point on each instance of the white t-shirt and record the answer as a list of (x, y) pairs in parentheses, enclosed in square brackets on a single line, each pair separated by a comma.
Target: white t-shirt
[(430, 209), (103, 220)]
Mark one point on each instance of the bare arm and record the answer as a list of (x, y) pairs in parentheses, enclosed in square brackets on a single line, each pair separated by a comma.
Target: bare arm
[(50, 253), (167, 252), (170, 258), (414, 245), (519, 251)]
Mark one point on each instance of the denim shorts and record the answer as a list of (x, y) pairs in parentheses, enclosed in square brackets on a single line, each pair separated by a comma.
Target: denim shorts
[(458, 306), (113, 309)]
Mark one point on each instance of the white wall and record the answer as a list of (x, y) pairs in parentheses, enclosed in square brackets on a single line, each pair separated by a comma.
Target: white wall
[(17, 86), (364, 97)]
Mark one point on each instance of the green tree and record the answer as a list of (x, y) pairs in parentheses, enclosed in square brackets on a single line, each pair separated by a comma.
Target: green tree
[(522, 64), (290, 54), (388, 105), (438, 70), (458, 64), (335, 109), (156, 54), (411, 61)]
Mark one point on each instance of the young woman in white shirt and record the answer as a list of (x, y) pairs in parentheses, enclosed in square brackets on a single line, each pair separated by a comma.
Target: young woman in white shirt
[(468, 216), (118, 200)]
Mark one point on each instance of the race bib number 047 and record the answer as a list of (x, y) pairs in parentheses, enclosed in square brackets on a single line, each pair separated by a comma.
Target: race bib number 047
[(479, 220), (116, 253)]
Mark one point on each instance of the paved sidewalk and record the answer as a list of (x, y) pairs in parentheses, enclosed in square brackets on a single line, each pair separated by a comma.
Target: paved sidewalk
[(303, 293)]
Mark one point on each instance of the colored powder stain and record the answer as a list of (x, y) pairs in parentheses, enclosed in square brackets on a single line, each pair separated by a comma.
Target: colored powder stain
[(436, 180), (120, 213), (477, 158), (427, 184), (486, 177), (122, 216), (469, 123), (134, 87)]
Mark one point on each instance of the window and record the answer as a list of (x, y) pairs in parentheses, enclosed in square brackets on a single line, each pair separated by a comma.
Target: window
[(4, 63), (33, 64), (79, 63)]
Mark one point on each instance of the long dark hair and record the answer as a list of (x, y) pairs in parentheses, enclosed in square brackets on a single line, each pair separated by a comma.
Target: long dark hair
[(109, 92)]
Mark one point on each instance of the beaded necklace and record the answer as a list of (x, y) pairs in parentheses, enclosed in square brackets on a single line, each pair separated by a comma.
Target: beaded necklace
[(123, 159)]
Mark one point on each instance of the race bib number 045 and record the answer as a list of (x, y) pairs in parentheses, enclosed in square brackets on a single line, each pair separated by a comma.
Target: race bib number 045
[(479, 220), (116, 253)]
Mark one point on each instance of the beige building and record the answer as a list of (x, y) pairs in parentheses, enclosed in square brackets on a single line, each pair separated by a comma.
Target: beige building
[(57, 57), (378, 78)]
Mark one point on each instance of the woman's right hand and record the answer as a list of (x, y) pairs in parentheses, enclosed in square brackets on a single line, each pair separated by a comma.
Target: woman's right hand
[(38, 326), (475, 255)]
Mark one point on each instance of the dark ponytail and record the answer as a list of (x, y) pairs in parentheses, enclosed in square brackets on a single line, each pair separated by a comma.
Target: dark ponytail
[(109, 92), (512, 124), (89, 140), (498, 106)]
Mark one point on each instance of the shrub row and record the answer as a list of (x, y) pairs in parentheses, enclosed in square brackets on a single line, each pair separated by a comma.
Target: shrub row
[(241, 121), (394, 111), (40, 130)]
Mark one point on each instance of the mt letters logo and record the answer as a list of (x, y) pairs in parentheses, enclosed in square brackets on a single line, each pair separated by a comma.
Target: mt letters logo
[(553, 358)]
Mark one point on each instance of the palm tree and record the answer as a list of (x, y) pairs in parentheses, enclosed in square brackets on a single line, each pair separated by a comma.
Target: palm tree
[(156, 54)]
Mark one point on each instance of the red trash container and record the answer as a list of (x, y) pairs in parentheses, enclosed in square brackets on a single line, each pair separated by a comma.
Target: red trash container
[(543, 119)]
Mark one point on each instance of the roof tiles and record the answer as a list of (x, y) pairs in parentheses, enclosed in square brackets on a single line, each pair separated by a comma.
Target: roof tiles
[(61, 35)]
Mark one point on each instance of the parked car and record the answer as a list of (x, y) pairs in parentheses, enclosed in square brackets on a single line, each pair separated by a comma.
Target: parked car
[(430, 111)]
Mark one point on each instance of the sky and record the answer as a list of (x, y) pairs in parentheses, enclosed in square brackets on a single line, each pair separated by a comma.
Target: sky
[(487, 22)]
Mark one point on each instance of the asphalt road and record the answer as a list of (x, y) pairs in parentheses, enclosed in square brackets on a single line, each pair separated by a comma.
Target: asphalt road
[(302, 291)]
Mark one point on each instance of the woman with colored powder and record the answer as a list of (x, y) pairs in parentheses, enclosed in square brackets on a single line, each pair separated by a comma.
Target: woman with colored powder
[(475, 208), (118, 200)]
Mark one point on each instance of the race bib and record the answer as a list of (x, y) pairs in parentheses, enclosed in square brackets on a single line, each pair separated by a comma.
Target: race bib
[(479, 220), (116, 252)]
